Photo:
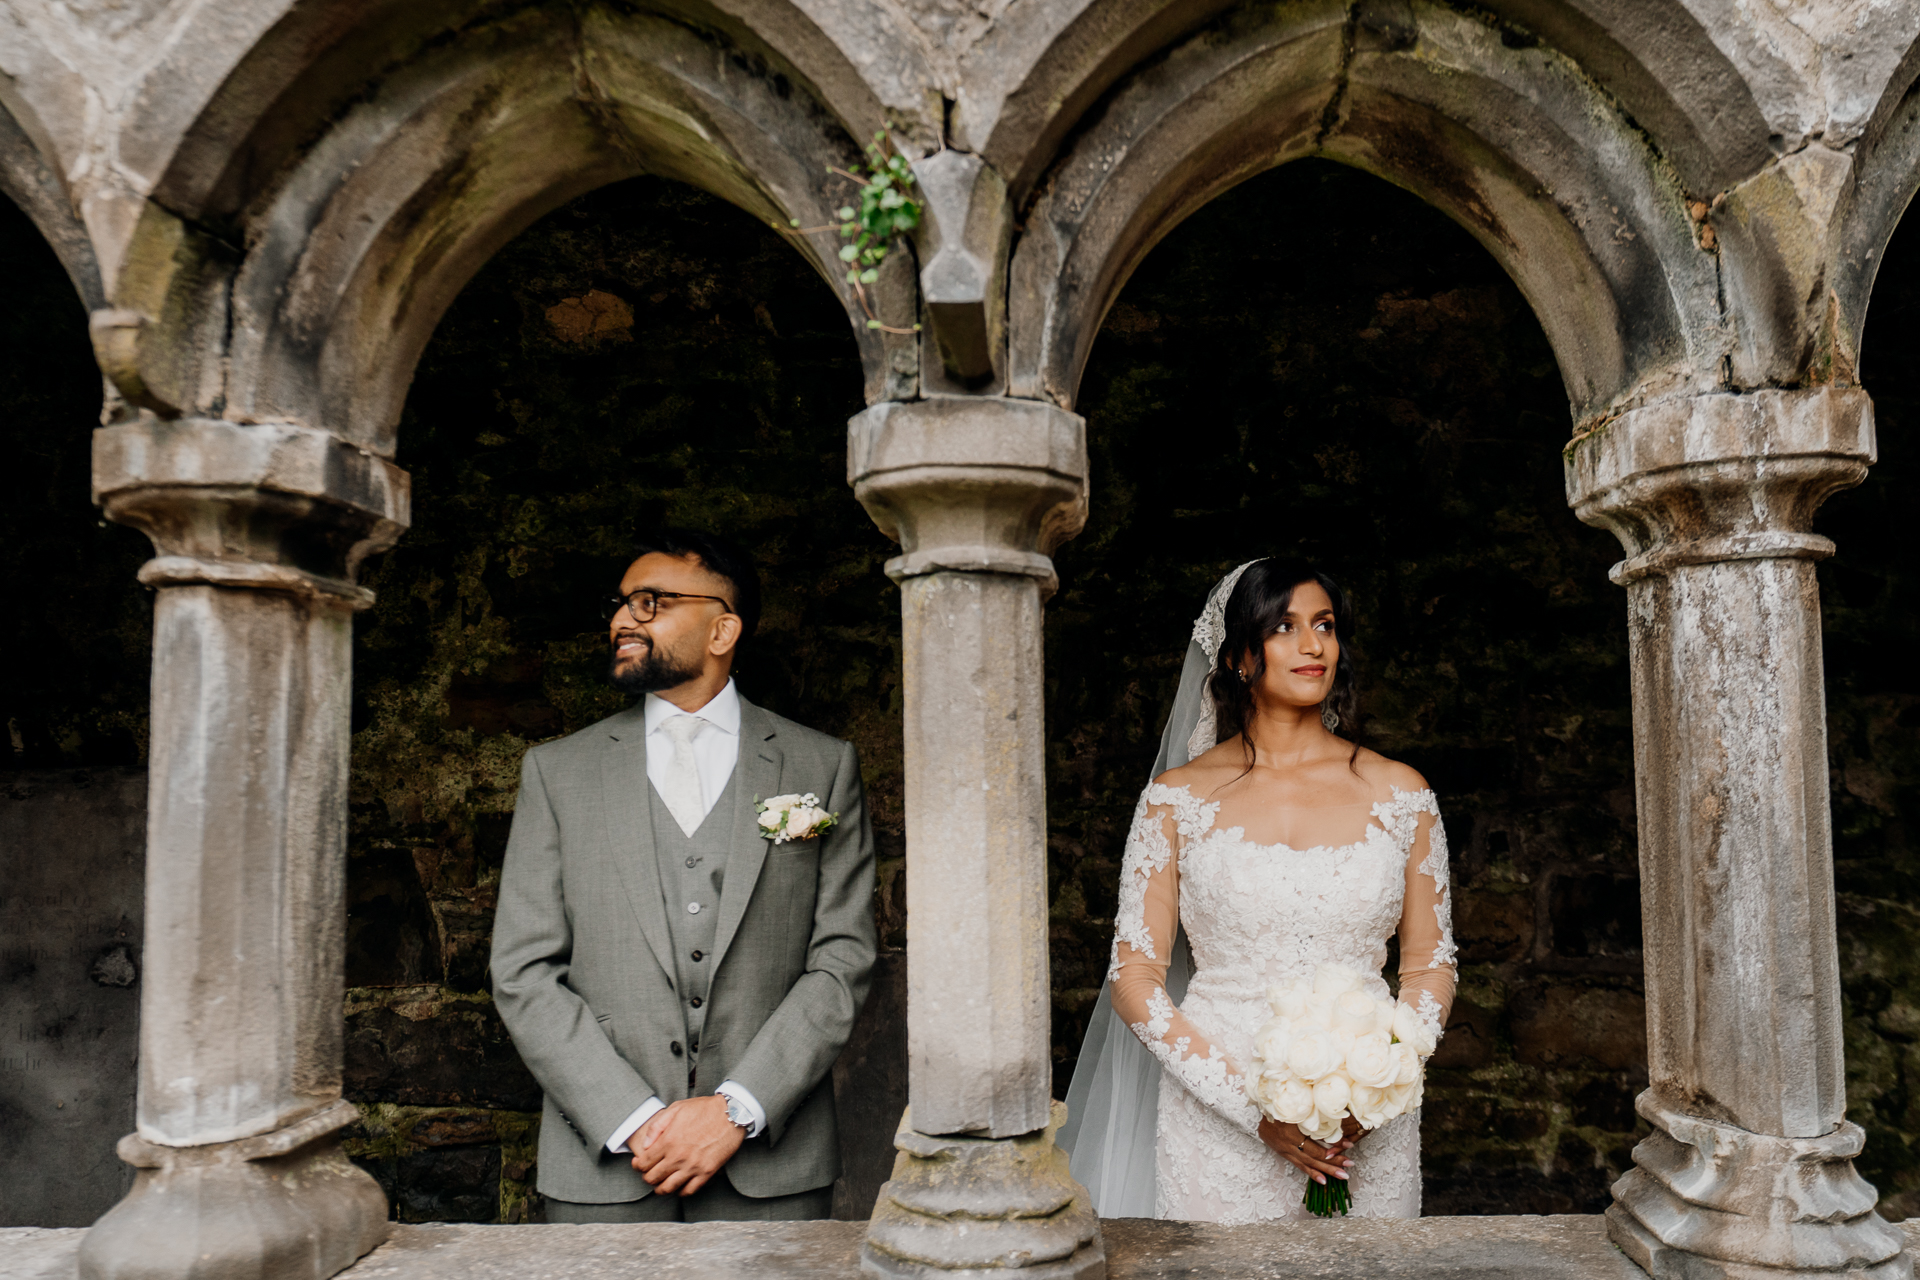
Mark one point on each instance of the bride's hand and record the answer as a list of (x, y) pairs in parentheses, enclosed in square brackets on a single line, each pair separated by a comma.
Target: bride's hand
[(1297, 1149)]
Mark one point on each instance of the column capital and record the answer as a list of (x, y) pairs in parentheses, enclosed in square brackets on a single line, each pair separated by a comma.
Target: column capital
[(971, 484), (1720, 477), (273, 506)]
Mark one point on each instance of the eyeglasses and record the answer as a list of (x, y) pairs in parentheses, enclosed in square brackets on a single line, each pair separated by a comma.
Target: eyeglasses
[(644, 604)]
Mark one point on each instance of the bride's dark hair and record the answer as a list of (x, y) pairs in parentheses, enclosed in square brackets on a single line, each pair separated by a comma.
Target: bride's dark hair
[(1255, 611)]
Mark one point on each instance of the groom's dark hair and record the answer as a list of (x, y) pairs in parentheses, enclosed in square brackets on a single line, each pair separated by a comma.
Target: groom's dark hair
[(721, 557)]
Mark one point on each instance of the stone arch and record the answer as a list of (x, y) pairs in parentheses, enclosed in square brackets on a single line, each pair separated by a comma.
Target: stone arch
[(314, 223), (27, 179), (1506, 135), (1885, 178), (1655, 57)]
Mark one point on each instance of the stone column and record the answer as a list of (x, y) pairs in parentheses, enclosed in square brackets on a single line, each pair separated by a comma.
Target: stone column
[(978, 491), (259, 531), (1749, 1171)]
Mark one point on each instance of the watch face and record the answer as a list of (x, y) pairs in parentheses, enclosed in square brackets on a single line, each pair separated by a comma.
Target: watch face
[(738, 1114)]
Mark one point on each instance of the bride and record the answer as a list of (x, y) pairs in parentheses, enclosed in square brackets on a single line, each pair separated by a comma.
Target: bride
[(1273, 845)]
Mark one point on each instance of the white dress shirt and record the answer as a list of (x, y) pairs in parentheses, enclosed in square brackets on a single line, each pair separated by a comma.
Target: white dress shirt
[(716, 746)]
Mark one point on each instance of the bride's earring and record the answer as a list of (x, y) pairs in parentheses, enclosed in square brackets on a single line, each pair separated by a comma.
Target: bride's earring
[(1329, 717)]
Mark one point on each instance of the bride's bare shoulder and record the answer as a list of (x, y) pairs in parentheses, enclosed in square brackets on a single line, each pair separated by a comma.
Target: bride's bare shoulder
[(1387, 776), (1208, 770)]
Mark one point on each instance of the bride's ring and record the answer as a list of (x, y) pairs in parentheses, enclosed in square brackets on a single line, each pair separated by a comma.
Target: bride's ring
[(1303, 1146)]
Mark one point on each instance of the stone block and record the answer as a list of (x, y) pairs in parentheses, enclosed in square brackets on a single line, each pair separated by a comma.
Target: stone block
[(870, 1089), (1557, 1024), (433, 1051), (1594, 915), (1469, 1041), (1492, 926), (72, 864)]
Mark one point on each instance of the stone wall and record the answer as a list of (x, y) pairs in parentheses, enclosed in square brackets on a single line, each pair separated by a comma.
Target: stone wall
[(1315, 362), (72, 844)]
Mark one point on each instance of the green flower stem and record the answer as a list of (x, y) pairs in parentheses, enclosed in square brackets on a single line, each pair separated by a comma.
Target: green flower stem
[(1323, 1200)]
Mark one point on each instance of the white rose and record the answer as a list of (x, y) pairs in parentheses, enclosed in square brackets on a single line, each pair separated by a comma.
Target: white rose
[(1291, 1102), (770, 820), (1332, 979), (1406, 1063), (1403, 1098), (1410, 1028), (803, 819), (1319, 1010), (1353, 1012), (1330, 1094), (1288, 1002), (1312, 1053), (1371, 1060), (1270, 1042), (1383, 1013), (787, 801), (1369, 1106), (1322, 1128)]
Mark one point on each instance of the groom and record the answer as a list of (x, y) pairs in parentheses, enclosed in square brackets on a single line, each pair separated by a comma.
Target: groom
[(678, 983)]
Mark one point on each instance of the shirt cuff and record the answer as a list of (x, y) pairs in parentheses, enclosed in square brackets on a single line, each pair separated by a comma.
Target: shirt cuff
[(641, 1114), (738, 1092)]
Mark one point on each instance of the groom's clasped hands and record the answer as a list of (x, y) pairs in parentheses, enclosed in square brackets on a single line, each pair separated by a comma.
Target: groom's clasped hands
[(685, 1144)]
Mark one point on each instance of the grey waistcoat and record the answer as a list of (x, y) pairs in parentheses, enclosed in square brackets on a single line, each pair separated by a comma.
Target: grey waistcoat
[(693, 872)]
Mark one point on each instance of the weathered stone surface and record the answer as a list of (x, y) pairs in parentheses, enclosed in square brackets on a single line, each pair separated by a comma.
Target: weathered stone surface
[(978, 493), (72, 847), (970, 1204), (1713, 500), (1495, 1248)]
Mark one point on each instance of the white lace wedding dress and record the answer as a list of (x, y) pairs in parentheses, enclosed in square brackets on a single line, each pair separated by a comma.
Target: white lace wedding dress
[(1257, 915)]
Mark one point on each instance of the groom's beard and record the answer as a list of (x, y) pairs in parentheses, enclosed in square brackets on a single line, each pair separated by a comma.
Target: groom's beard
[(653, 672)]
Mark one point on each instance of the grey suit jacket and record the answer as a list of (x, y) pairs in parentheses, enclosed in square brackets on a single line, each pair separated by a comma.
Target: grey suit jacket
[(583, 970)]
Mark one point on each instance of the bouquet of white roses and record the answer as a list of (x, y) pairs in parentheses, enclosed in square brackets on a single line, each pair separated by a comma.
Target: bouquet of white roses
[(1332, 1050)]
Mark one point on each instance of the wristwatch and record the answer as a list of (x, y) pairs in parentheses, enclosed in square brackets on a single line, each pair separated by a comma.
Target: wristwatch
[(737, 1112)]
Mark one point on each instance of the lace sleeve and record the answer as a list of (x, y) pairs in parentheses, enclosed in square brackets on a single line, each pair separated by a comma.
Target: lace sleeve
[(1427, 969), (1144, 930)]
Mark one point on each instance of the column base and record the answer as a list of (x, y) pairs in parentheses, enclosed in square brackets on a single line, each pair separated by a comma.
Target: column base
[(982, 1207), (286, 1205), (1709, 1201)]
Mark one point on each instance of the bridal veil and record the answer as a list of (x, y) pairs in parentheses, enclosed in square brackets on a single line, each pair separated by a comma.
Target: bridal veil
[(1113, 1101)]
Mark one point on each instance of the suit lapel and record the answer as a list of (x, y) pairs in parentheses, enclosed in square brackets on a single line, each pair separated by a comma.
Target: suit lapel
[(629, 815), (757, 776)]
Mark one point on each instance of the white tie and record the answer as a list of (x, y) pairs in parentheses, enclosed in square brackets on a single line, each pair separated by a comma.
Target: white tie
[(681, 787)]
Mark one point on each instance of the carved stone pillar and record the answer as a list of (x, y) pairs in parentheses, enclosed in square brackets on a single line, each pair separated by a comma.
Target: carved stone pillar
[(1749, 1171), (259, 531), (978, 492)]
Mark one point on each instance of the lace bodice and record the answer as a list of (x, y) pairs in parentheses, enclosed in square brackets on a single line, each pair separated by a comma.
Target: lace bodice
[(1260, 914)]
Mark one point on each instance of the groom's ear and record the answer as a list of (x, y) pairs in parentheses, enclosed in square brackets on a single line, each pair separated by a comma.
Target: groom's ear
[(723, 638)]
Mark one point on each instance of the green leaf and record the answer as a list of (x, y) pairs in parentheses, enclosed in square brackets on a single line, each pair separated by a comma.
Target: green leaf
[(869, 276), (873, 324), (849, 253), (844, 213)]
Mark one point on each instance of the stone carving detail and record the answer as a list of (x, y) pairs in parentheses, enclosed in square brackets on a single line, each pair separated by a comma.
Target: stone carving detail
[(972, 1205), (1710, 1199)]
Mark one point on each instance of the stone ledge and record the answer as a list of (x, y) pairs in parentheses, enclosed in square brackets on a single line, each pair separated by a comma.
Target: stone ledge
[(1506, 1248)]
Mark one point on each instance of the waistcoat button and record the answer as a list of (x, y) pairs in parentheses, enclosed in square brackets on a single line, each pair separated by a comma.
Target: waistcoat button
[(693, 908), (698, 954), (695, 1002), (675, 1047)]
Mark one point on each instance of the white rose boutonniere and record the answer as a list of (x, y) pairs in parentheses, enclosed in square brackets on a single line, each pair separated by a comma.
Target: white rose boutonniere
[(793, 817)]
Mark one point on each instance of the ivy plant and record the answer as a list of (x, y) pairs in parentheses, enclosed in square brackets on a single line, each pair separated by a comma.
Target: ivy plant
[(885, 209)]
